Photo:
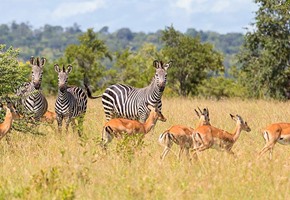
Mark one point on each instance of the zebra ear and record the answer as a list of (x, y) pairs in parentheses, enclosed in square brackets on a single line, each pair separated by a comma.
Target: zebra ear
[(167, 65), (69, 68), (156, 64), (56, 68), (42, 63), (31, 60), (37, 62)]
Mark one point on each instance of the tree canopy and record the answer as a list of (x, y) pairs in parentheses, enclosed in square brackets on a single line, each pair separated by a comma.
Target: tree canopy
[(265, 55)]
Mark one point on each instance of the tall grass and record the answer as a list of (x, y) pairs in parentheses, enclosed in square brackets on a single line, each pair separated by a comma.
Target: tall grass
[(65, 166)]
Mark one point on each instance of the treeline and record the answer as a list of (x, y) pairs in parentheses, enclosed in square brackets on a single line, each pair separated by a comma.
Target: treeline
[(51, 41)]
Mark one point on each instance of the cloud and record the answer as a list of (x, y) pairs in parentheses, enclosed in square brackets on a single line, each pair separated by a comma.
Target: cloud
[(69, 9), (210, 6)]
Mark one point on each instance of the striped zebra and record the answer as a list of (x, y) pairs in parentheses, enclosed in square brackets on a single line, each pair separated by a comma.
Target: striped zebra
[(31, 97), (71, 102), (128, 102)]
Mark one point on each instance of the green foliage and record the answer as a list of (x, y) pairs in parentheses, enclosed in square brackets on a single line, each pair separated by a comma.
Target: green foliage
[(86, 61), (220, 87), (135, 68), (129, 145), (11, 73), (193, 61), (87, 56), (48, 182), (266, 51)]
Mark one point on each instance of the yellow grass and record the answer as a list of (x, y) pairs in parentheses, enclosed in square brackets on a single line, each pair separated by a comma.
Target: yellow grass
[(68, 167)]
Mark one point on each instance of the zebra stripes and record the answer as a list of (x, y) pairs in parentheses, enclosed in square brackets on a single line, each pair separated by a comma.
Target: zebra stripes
[(71, 102), (128, 102), (31, 97)]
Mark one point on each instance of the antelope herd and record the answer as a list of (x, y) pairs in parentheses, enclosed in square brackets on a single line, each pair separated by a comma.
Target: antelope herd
[(125, 114)]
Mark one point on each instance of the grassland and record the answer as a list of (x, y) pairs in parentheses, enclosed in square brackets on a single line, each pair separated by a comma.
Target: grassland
[(65, 166)]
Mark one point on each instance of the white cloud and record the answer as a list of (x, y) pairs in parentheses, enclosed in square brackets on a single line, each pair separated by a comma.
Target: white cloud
[(69, 9), (211, 6)]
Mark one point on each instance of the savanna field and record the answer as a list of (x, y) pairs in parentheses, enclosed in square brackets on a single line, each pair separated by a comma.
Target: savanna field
[(53, 166)]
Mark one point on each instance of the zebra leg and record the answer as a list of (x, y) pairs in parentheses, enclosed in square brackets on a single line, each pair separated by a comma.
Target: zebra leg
[(59, 119), (73, 125), (69, 119), (80, 126)]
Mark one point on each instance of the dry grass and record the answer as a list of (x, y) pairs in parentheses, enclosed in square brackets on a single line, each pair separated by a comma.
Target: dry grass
[(68, 167)]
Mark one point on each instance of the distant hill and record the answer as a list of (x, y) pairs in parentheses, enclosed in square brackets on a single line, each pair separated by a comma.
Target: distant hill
[(51, 41)]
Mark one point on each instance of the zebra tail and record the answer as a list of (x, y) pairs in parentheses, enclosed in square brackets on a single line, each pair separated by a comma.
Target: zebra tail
[(89, 92)]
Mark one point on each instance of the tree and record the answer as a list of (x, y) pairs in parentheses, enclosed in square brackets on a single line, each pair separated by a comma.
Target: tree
[(86, 56), (193, 61), (11, 73), (135, 68), (265, 55)]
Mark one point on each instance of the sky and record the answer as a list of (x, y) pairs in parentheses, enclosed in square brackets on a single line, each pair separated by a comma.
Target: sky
[(222, 16)]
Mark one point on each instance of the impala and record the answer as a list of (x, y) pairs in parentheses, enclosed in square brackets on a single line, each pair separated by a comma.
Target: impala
[(273, 133), (212, 137), (117, 126), (181, 135), (11, 114), (48, 117)]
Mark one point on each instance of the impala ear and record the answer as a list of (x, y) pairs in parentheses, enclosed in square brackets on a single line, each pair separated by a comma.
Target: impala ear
[(197, 113), (232, 116), (56, 68)]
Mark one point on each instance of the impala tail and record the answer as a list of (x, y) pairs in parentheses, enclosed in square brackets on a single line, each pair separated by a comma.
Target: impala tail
[(165, 138)]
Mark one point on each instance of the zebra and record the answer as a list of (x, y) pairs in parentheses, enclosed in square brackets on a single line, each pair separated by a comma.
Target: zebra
[(124, 101), (71, 101), (31, 97)]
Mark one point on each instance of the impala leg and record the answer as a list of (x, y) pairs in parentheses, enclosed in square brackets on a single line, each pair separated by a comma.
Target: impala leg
[(164, 153), (187, 154), (107, 137), (267, 147), (180, 152)]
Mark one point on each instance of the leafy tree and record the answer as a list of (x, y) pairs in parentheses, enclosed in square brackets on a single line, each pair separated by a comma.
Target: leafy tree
[(86, 57), (135, 68), (193, 61), (11, 73), (265, 55)]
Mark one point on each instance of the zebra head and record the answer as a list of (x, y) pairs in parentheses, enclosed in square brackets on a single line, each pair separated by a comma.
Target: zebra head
[(62, 76), (37, 70), (161, 73)]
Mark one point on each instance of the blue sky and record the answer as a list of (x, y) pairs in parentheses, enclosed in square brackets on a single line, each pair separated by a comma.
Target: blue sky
[(222, 16)]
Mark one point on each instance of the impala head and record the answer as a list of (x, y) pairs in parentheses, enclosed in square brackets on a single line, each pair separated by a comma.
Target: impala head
[(241, 122), (156, 114), (203, 116), (37, 70), (9, 106), (62, 76), (161, 73)]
